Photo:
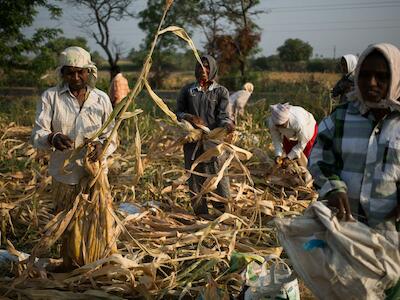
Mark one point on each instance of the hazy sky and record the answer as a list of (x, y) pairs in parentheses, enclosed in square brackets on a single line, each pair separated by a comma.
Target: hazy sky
[(347, 25)]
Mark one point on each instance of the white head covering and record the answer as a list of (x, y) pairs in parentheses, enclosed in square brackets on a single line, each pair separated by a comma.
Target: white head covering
[(79, 58), (248, 86), (392, 56), (351, 62), (280, 113)]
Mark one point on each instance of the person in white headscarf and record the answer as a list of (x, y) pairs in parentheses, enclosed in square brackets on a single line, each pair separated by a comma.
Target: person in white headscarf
[(239, 99), (68, 114), (355, 162), (293, 131), (345, 85)]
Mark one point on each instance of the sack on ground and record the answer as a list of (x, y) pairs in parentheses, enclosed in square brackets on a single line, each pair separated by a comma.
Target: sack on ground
[(340, 260)]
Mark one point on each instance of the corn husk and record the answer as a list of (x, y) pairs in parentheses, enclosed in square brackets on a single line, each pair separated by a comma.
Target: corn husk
[(91, 232)]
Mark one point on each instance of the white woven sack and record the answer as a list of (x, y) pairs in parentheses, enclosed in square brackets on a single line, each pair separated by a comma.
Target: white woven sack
[(349, 260)]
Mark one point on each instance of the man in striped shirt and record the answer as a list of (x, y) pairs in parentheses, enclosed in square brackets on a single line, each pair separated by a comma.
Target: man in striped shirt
[(68, 114), (356, 159)]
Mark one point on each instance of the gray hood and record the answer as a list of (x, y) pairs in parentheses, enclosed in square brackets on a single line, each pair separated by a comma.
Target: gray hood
[(213, 66)]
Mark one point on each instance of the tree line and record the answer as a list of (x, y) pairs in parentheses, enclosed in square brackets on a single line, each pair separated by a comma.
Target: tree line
[(229, 32)]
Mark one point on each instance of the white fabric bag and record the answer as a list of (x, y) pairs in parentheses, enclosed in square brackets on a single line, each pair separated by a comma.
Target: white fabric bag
[(271, 280), (340, 260)]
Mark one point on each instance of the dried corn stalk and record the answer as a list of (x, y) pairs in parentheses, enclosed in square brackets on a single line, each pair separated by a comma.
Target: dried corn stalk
[(91, 233), (87, 225)]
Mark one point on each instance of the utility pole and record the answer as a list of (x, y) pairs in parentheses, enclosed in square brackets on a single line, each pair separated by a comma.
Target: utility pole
[(334, 51)]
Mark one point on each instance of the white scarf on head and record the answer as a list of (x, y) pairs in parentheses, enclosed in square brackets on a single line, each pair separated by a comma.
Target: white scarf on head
[(392, 56), (351, 62), (280, 113), (79, 58)]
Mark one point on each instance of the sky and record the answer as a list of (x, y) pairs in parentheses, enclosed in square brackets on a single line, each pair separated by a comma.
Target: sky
[(332, 27)]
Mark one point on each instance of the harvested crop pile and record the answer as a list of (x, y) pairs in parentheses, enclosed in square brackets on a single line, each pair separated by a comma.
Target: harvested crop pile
[(164, 250)]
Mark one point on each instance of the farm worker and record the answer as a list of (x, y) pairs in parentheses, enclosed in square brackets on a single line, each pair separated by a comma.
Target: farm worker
[(293, 132), (119, 87), (355, 162), (204, 102), (238, 100), (66, 115), (345, 85)]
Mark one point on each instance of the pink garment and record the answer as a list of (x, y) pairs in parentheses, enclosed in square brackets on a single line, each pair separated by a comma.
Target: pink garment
[(119, 89)]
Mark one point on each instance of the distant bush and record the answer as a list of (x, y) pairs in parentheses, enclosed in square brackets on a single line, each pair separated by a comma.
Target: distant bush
[(274, 63), (323, 65), (23, 78), (270, 63)]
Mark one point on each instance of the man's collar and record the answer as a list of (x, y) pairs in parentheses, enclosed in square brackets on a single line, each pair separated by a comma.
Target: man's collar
[(212, 86), (65, 88)]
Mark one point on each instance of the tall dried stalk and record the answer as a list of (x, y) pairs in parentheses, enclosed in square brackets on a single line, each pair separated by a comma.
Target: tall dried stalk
[(139, 83)]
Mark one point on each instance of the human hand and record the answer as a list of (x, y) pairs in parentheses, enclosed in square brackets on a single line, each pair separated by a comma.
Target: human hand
[(281, 161), (94, 155), (60, 141), (395, 213), (278, 160), (340, 201), (194, 120), (230, 127)]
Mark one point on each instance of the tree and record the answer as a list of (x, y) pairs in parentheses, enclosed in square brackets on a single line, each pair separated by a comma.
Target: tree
[(295, 50), (183, 13), (14, 45), (211, 22), (234, 49), (270, 63), (97, 58), (102, 13), (239, 12)]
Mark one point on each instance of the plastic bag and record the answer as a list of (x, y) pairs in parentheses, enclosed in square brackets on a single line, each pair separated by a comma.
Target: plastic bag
[(273, 279)]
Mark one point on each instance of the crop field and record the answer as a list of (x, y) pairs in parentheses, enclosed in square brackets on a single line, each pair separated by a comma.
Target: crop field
[(164, 250)]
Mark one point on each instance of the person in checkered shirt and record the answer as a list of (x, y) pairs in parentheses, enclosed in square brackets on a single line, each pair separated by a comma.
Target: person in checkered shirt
[(355, 161)]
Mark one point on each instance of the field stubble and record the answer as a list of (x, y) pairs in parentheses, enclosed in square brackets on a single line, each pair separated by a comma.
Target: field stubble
[(165, 251)]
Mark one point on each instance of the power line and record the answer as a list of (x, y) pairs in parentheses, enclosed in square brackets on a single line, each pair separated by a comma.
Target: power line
[(337, 5), (335, 29), (332, 22), (289, 9)]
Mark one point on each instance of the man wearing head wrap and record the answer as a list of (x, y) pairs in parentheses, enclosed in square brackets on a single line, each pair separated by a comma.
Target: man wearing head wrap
[(293, 131), (239, 99), (355, 162), (66, 116), (204, 102), (345, 85)]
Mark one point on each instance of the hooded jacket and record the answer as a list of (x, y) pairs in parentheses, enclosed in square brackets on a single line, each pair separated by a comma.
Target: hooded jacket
[(212, 105)]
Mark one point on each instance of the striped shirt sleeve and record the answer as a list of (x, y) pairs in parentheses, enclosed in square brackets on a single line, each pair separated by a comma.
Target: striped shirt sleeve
[(324, 165), (42, 127)]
